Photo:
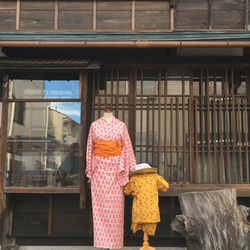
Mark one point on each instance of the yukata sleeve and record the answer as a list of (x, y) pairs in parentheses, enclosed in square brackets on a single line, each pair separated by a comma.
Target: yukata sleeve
[(127, 159), (89, 154), (162, 183)]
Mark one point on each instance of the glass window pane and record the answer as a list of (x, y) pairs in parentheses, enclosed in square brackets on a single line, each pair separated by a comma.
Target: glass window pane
[(174, 82), (44, 89), (149, 78), (43, 144)]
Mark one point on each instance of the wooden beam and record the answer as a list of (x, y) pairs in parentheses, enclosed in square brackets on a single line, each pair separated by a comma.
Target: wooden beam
[(40, 190)]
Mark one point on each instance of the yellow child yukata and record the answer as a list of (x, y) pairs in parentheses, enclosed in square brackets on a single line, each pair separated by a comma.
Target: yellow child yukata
[(143, 186)]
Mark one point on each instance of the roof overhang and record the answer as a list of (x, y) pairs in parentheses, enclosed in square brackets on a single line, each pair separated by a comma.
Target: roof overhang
[(48, 63), (124, 40)]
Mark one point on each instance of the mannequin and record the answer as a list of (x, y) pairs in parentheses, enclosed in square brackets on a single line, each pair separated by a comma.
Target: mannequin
[(143, 186), (109, 160), (108, 114)]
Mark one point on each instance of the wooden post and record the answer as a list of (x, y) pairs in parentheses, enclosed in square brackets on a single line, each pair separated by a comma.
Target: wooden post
[(84, 92)]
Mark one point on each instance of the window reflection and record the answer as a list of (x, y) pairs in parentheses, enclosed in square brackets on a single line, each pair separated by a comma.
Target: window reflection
[(43, 144), (44, 89)]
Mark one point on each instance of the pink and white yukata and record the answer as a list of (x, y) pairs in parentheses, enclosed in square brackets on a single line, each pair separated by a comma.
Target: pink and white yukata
[(108, 175)]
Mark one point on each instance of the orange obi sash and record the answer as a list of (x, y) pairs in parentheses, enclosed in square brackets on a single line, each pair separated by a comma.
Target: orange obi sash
[(107, 148)]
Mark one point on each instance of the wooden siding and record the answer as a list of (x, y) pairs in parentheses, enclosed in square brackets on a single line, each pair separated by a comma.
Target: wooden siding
[(203, 14), (123, 15), (151, 15), (7, 15), (222, 20), (37, 15), (113, 15), (75, 15), (191, 14)]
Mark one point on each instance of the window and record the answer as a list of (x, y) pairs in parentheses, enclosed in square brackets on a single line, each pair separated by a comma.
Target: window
[(43, 134)]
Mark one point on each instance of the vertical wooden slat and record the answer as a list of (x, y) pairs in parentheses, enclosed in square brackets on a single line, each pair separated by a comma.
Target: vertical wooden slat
[(171, 139), (191, 127), (246, 138), (132, 105), (94, 14), (214, 137), (112, 87), (123, 108), (153, 131), (56, 15), (117, 94), (147, 129), (93, 103), (141, 121), (227, 165), (215, 130), (202, 130), (83, 141), (133, 15), (172, 18), (222, 121), (222, 138), (234, 128), (207, 131), (183, 126), (197, 147), (50, 216), (99, 107), (18, 9), (177, 139), (239, 142), (159, 121), (165, 125)]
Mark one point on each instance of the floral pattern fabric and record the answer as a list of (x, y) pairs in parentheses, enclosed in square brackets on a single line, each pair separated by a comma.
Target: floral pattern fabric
[(107, 176), (145, 209)]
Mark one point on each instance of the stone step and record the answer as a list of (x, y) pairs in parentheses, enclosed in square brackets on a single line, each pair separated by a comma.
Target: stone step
[(80, 248)]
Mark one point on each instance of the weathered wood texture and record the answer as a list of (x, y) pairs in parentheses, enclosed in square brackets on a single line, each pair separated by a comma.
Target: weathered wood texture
[(152, 15), (213, 221), (7, 15), (75, 15), (35, 215), (37, 15), (198, 14), (121, 15), (191, 14)]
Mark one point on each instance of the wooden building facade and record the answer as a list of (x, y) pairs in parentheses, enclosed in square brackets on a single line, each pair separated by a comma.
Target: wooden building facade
[(177, 72)]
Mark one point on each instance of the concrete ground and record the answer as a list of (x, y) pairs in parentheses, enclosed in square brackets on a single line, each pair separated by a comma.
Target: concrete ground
[(84, 248), (88, 248)]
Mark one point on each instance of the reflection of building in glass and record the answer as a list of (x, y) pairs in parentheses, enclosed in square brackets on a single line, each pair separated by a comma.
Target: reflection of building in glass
[(40, 141)]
